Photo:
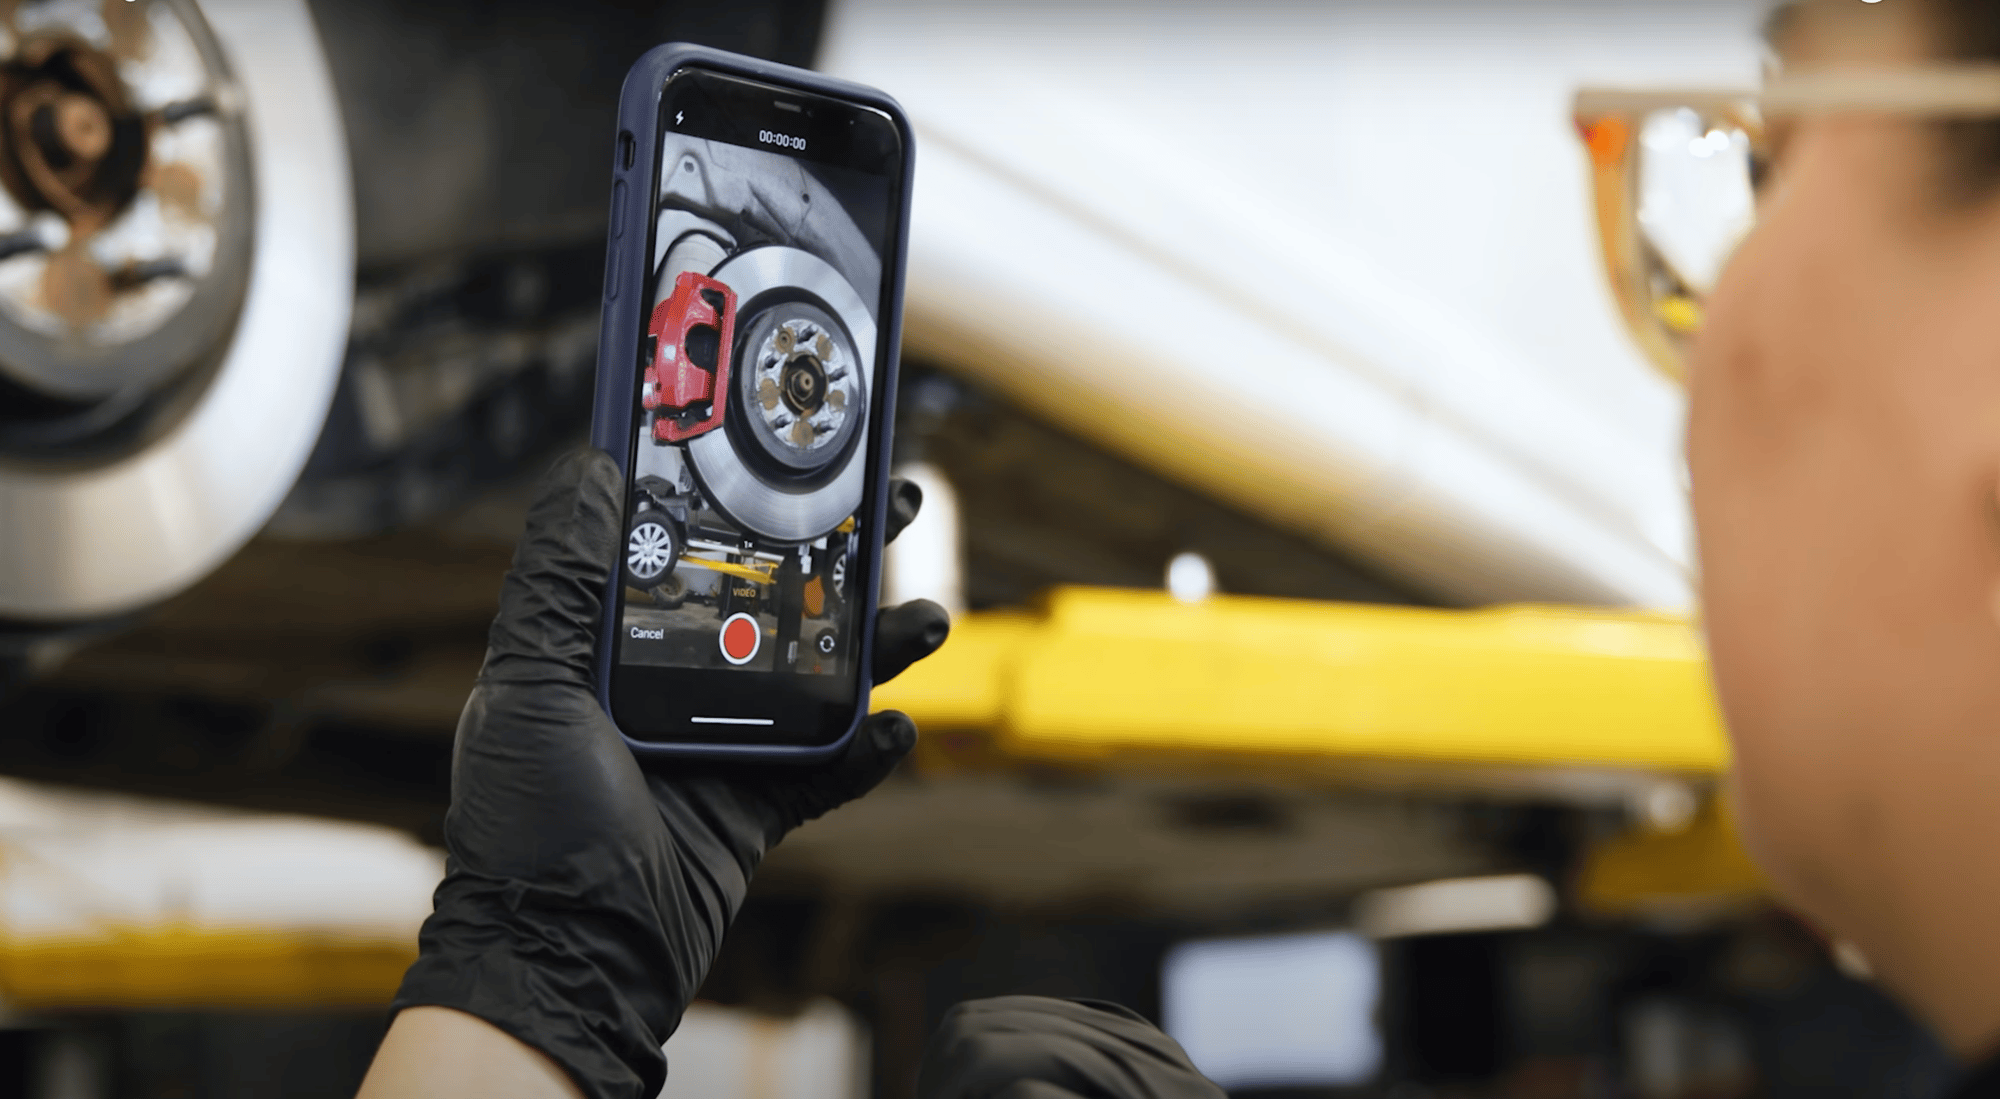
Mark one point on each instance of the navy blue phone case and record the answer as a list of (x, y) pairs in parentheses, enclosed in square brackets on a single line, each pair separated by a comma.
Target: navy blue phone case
[(626, 267)]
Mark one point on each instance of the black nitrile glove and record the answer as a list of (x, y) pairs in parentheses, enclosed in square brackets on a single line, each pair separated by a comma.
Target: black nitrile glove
[(584, 898), (1032, 1047)]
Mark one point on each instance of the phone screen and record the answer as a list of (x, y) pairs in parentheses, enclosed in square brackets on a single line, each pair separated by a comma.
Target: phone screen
[(758, 414)]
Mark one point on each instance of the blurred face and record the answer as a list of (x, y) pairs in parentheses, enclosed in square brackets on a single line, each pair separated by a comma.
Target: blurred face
[(1844, 442)]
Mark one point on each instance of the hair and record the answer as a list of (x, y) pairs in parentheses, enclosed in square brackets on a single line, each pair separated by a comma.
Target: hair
[(1969, 31), (1964, 31)]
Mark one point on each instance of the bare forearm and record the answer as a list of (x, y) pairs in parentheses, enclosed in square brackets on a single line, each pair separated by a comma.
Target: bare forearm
[(438, 1053)]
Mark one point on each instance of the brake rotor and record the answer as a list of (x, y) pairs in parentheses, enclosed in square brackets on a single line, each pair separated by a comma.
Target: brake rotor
[(152, 421), (792, 469)]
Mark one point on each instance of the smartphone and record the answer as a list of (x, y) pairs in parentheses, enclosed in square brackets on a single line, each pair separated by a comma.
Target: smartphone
[(746, 385)]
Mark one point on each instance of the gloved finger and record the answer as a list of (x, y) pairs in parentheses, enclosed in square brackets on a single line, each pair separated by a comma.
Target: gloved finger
[(878, 746), (906, 634), (906, 498), (984, 1048), (549, 604), (1031, 1089)]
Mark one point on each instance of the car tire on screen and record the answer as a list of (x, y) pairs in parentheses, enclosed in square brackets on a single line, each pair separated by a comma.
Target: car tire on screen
[(653, 543)]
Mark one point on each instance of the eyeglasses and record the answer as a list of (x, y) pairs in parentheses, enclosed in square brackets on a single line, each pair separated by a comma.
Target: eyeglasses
[(1676, 176)]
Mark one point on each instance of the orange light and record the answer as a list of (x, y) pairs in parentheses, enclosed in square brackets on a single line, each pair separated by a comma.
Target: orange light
[(1607, 138)]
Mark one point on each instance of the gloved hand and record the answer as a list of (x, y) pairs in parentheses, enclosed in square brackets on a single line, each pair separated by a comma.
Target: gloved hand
[(584, 898), (1032, 1047)]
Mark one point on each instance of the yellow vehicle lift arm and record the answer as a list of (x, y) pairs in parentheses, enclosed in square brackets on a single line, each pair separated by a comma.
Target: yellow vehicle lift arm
[(1097, 674)]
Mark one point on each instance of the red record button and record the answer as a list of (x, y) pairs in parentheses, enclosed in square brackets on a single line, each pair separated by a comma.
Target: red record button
[(740, 639)]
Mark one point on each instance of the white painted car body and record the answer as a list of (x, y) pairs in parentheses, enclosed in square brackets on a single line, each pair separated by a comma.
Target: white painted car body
[(1332, 262)]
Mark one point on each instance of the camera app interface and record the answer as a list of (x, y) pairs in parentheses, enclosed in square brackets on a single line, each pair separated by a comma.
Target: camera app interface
[(759, 357)]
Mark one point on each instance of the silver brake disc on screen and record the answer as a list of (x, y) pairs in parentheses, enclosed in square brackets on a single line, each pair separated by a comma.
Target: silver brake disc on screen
[(790, 463), (176, 272)]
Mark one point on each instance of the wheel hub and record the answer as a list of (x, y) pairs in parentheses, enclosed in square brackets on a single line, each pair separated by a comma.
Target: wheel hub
[(124, 210), (806, 385), (803, 383), (73, 143)]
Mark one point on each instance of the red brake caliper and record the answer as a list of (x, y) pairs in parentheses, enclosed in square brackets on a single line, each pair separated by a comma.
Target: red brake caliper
[(687, 381)]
